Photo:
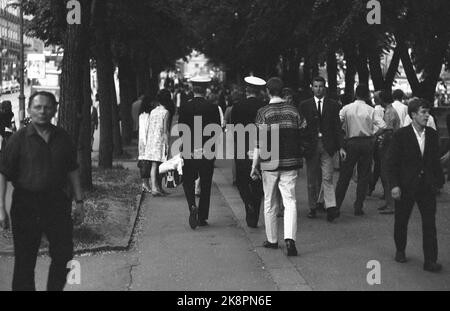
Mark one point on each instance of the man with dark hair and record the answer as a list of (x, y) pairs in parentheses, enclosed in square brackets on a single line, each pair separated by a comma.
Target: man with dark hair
[(39, 159), (324, 127), (415, 175), (193, 167), (279, 170), (358, 121), (398, 96), (244, 113)]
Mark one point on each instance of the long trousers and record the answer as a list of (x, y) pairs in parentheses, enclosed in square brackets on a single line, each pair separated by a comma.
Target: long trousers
[(193, 169), (359, 152), (426, 201), (251, 191), (319, 172), (34, 214), (285, 181)]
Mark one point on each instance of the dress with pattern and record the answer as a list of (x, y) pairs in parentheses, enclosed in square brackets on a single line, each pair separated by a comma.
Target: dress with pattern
[(152, 146)]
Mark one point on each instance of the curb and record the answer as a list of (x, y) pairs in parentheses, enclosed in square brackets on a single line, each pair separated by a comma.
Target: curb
[(283, 272), (102, 247)]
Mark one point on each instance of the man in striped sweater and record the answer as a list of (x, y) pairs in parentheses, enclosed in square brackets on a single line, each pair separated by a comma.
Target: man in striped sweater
[(281, 127)]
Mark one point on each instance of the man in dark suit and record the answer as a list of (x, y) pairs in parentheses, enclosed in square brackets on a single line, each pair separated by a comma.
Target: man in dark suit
[(244, 113), (324, 127), (196, 163), (415, 175)]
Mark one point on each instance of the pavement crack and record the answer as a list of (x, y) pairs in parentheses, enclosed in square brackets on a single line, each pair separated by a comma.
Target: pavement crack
[(130, 273)]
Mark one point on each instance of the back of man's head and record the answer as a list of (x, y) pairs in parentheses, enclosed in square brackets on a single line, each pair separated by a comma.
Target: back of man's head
[(386, 96), (398, 95), (274, 86), (199, 89), (362, 92)]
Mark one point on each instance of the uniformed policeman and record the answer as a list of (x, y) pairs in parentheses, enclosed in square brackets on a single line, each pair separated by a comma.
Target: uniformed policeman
[(193, 167)]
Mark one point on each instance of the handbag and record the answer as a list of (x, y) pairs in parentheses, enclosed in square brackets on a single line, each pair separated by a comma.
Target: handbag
[(173, 179)]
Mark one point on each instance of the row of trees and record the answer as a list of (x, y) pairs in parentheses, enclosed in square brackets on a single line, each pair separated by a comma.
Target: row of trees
[(140, 38), (260, 35), (143, 37)]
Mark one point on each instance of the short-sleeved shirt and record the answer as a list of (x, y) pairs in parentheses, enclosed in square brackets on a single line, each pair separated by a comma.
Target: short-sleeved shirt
[(34, 165)]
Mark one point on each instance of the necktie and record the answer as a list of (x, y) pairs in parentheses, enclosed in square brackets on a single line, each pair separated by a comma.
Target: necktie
[(319, 108)]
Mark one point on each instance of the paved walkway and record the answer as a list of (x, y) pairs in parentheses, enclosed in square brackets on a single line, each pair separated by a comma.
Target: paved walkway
[(168, 255)]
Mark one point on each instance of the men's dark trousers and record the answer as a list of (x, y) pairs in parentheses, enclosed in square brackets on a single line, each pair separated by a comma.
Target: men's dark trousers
[(359, 152), (32, 214), (426, 201), (251, 191), (376, 173), (191, 170)]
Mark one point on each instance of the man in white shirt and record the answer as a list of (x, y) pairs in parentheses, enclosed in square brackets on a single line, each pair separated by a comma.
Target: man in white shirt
[(358, 120), (402, 109)]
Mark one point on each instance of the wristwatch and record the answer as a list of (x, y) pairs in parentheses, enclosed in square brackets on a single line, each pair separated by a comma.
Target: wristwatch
[(79, 201)]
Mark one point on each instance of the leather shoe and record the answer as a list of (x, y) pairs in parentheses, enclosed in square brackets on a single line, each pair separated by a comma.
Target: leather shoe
[(359, 212), (312, 214), (290, 246), (332, 214), (400, 257), (202, 223), (193, 220), (267, 244), (432, 266), (320, 207)]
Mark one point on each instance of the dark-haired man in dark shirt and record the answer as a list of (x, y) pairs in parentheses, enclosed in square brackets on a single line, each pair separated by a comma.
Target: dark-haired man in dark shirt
[(39, 160)]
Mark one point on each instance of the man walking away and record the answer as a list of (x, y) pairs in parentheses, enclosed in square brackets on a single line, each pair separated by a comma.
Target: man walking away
[(415, 176), (193, 167), (358, 120), (279, 171), (244, 114)]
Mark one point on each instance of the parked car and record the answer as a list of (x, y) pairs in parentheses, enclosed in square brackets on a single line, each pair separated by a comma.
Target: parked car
[(6, 87)]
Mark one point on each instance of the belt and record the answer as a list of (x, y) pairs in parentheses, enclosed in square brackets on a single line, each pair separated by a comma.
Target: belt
[(360, 137)]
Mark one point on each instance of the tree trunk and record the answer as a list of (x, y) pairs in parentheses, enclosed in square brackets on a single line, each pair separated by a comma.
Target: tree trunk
[(142, 74), (84, 143), (408, 66), (432, 70), (349, 92), (105, 82), (155, 70), (392, 70), (375, 71), (127, 97), (117, 138), (332, 75), (363, 70), (71, 100)]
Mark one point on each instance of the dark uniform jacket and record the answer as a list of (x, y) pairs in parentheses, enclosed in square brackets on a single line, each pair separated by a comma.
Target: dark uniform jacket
[(245, 113), (197, 106)]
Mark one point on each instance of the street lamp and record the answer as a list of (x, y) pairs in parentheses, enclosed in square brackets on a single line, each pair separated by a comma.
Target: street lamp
[(18, 4)]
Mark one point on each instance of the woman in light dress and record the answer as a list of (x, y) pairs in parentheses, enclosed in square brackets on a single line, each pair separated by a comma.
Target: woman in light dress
[(154, 142)]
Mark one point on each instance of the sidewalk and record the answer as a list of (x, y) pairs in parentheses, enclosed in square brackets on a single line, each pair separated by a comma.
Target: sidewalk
[(334, 256)]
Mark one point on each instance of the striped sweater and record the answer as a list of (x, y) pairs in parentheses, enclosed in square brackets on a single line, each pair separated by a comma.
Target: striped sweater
[(290, 130)]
